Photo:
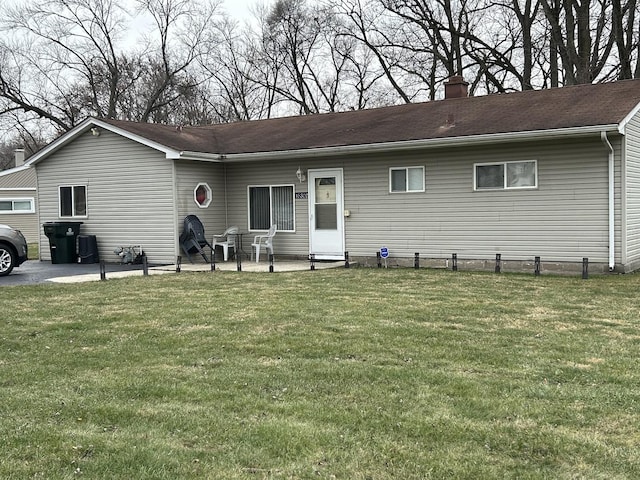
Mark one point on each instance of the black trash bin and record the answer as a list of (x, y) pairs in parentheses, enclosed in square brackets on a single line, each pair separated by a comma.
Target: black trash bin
[(88, 249), (62, 240)]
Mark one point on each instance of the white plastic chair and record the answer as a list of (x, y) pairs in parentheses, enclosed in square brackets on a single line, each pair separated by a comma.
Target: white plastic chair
[(263, 241), (227, 240)]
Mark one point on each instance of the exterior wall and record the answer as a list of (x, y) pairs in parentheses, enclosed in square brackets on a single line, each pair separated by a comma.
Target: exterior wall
[(632, 155), (130, 195), (564, 219), (20, 183), (240, 176), (214, 217)]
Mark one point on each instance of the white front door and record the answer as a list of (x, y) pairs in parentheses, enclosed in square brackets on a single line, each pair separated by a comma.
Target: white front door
[(326, 214)]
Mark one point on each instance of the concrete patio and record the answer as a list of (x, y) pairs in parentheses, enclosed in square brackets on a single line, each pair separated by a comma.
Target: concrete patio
[(231, 266)]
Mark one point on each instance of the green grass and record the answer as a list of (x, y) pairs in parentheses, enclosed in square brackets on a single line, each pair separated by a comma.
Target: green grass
[(342, 374), (34, 251)]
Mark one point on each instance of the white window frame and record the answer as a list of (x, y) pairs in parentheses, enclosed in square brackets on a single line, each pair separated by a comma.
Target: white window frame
[(13, 201), (271, 187), (406, 169), (505, 178), (208, 197), (73, 199)]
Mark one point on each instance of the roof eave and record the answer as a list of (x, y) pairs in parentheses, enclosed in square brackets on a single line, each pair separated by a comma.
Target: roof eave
[(623, 124), (201, 156), (409, 145), (85, 126)]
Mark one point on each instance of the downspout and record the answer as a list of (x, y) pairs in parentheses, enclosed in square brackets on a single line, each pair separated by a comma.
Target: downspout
[(612, 204)]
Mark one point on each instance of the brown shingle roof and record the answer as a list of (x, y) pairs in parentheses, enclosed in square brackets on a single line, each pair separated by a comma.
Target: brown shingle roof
[(558, 108)]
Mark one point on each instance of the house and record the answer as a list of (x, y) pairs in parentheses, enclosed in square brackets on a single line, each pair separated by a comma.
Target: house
[(552, 173), (18, 198)]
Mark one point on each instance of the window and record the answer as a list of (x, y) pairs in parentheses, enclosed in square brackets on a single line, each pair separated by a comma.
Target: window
[(73, 201), (506, 175), (17, 205), (269, 205), (202, 195), (406, 179)]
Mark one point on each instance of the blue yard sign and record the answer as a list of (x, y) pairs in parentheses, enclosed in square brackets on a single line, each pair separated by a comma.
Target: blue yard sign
[(384, 252)]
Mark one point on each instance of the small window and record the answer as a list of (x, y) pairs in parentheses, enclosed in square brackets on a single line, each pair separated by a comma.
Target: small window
[(17, 205), (202, 195), (506, 175), (73, 201), (406, 179), (270, 205)]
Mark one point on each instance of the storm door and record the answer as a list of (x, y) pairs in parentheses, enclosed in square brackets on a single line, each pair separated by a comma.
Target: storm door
[(326, 214)]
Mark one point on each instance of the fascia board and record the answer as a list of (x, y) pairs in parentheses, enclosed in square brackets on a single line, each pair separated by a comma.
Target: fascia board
[(201, 156), (83, 127), (623, 124), (169, 152), (419, 144), (13, 170)]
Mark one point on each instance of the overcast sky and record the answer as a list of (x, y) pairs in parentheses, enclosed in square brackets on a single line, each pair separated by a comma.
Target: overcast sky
[(240, 9)]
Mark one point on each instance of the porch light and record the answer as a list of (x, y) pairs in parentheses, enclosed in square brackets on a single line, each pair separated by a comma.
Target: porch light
[(301, 176)]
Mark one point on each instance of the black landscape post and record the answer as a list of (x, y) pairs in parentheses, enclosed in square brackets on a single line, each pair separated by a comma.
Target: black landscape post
[(103, 272), (271, 263), (416, 260), (346, 259), (537, 266), (312, 259), (498, 257), (379, 257), (145, 266), (454, 262), (585, 268), (178, 262)]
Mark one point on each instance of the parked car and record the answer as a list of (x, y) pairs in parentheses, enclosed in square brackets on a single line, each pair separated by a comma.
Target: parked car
[(13, 249)]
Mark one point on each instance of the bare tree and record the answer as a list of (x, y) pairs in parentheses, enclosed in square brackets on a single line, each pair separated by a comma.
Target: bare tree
[(296, 51), (63, 60), (581, 36)]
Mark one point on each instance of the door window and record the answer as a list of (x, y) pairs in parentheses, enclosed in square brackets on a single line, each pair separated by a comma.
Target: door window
[(326, 206)]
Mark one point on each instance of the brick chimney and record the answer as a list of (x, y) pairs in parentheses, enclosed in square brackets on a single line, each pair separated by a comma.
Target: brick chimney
[(456, 87), (19, 156)]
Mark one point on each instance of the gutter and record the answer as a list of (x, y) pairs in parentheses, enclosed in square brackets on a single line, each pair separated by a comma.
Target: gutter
[(407, 145), (611, 165)]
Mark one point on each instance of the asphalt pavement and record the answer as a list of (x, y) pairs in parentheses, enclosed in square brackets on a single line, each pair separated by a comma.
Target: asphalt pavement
[(34, 272)]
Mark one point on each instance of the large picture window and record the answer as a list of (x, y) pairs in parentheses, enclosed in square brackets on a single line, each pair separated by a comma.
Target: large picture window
[(406, 179), (17, 205), (505, 175), (271, 204), (73, 201)]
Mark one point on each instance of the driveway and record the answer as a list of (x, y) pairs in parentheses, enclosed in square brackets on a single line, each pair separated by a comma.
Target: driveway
[(33, 272)]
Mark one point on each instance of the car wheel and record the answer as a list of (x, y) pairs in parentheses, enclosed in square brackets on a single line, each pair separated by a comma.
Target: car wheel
[(7, 260)]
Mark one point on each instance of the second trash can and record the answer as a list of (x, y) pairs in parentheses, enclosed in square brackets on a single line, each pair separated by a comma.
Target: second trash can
[(62, 240)]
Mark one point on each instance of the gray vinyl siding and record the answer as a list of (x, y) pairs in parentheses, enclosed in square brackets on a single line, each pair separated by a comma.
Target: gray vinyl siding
[(632, 143), (130, 194), (20, 184), (27, 223), (240, 176), (22, 178), (188, 175), (564, 219)]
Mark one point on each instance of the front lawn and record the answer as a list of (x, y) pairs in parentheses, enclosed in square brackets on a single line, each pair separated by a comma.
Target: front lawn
[(333, 374)]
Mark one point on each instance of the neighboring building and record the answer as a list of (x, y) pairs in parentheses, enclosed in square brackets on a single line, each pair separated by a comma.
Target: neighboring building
[(552, 173), (18, 198)]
